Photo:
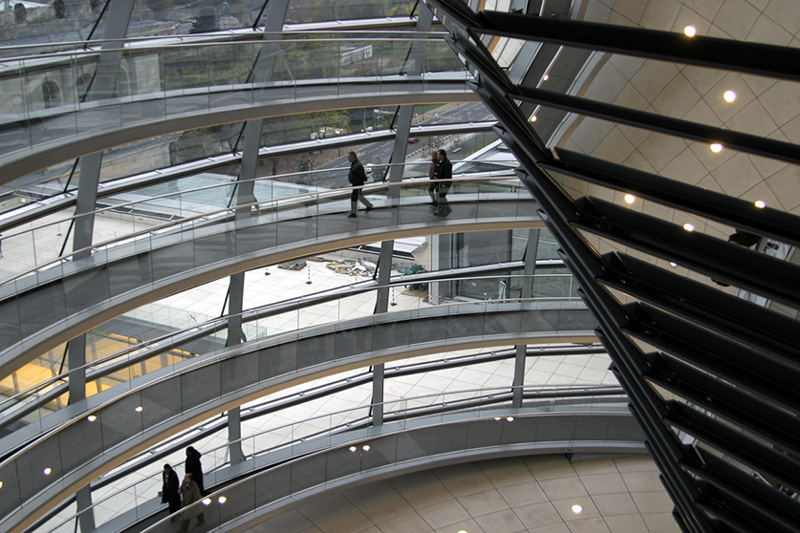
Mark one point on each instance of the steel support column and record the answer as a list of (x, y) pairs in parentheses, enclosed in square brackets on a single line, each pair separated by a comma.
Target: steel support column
[(76, 353), (235, 435), (235, 301), (83, 501), (399, 152), (262, 72), (518, 381), (235, 336), (103, 86), (275, 17)]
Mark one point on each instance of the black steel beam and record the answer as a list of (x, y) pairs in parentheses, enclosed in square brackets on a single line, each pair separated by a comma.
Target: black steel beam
[(773, 335), (585, 265), (710, 204), (743, 142), (712, 52), (733, 511), (760, 506), (718, 259), (647, 407), (765, 420), (734, 445), (754, 375)]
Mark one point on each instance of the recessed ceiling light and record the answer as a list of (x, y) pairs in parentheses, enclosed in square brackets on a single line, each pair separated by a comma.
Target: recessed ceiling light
[(672, 264), (715, 147), (546, 77), (688, 227), (462, 531), (509, 418), (366, 447), (761, 204), (690, 31), (206, 501), (47, 471), (352, 449), (498, 418), (729, 96), (533, 118), (629, 198), (577, 509), (222, 499), (139, 409), (1, 484), (91, 418)]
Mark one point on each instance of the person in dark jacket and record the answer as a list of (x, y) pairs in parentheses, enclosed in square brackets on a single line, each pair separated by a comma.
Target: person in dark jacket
[(433, 188), (357, 177), (190, 493), (444, 174), (443, 171), (193, 467), (169, 489)]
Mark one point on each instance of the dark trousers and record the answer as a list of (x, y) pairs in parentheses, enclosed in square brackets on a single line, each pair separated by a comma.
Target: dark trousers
[(356, 196)]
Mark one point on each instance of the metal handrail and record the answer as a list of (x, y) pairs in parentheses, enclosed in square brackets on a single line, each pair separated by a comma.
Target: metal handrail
[(232, 39), (235, 182), (234, 351), (62, 198), (334, 194), (407, 37), (494, 394), (247, 315)]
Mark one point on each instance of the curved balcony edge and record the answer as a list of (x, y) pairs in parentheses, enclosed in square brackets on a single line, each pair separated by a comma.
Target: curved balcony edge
[(69, 306), (171, 400), (399, 452), (152, 122)]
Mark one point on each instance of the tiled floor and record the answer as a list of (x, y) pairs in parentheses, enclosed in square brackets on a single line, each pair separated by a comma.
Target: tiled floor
[(515, 495)]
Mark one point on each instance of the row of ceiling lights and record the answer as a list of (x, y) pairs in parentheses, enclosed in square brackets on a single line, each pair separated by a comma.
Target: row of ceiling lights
[(728, 95)]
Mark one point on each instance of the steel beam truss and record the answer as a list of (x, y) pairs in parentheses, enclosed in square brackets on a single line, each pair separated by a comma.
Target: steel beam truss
[(717, 400)]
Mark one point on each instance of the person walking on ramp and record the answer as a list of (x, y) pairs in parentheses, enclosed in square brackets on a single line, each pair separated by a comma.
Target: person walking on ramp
[(193, 467), (357, 177), (169, 489), (443, 172), (190, 493)]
